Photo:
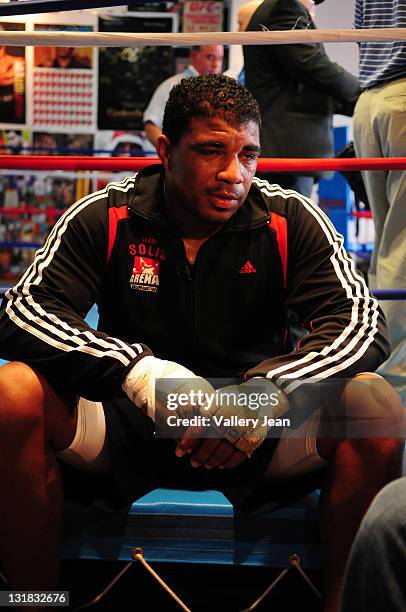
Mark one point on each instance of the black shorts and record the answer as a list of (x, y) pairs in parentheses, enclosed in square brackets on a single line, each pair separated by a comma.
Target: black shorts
[(140, 463)]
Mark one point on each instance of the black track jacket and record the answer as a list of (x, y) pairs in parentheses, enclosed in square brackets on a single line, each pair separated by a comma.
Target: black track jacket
[(223, 317)]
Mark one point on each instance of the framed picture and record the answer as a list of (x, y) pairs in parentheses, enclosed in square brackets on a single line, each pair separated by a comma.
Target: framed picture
[(64, 79), (202, 16), (128, 76), (12, 79)]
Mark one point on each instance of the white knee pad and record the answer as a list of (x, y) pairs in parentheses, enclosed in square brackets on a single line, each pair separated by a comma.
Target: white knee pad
[(88, 450), (295, 455)]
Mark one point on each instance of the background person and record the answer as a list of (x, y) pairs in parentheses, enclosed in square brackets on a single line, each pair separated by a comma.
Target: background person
[(204, 59), (375, 576), (298, 89), (177, 258), (64, 57), (380, 131), (245, 12), (45, 143), (244, 15)]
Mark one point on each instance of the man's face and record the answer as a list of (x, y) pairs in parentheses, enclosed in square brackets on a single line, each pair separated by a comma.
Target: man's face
[(209, 59), (245, 13), (43, 142), (208, 173), (64, 52)]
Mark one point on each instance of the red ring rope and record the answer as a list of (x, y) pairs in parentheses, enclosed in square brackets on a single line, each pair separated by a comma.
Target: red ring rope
[(76, 163), (17, 211)]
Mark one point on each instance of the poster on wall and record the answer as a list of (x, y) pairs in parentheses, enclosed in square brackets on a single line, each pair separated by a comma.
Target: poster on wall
[(49, 143), (12, 79), (31, 201), (128, 76), (56, 189), (14, 141), (202, 16), (118, 143), (64, 90)]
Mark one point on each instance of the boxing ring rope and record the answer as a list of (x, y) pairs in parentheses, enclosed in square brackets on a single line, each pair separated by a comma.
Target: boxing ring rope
[(77, 163), (124, 39)]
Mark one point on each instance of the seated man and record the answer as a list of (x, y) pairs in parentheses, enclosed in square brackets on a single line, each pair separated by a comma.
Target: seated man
[(204, 59), (193, 264)]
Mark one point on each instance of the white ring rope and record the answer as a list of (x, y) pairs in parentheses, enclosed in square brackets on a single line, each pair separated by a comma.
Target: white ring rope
[(118, 39)]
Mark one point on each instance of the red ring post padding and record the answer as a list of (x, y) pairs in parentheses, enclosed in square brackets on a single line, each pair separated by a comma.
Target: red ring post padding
[(81, 162)]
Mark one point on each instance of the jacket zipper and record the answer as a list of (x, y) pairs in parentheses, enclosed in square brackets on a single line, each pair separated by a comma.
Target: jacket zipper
[(191, 308)]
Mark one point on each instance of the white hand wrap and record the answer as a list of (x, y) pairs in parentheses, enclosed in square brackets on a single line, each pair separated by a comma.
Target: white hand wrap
[(140, 383)]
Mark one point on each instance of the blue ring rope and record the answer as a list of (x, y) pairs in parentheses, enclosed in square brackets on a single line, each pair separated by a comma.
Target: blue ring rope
[(61, 150), (381, 294), (20, 244)]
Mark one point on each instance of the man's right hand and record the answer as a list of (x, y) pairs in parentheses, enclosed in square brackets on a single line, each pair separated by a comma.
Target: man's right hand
[(140, 386)]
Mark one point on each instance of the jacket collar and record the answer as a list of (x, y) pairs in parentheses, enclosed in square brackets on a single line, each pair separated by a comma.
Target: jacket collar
[(147, 200)]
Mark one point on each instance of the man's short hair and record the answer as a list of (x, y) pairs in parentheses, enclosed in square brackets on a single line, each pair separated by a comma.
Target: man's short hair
[(208, 95)]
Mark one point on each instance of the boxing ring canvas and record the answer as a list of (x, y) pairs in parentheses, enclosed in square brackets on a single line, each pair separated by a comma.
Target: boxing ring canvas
[(202, 527)]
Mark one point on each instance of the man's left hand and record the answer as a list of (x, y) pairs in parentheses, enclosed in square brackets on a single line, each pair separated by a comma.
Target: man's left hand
[(234, 443)]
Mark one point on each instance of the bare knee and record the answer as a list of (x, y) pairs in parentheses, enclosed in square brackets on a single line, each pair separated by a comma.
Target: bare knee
[(21, 395), (27, 401), (372, 407), (369, 414)]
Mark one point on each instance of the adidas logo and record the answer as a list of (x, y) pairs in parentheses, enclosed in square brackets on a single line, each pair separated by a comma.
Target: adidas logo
[(247, 268)]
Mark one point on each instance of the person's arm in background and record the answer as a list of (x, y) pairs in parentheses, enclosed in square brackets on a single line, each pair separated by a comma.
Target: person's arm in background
[(152, 132), (154, 113)]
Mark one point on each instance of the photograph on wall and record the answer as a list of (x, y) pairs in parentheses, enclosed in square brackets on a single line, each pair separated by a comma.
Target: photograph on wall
[(128, 76), (14, 142), (12, 79), (64, 83), (121, 143), (202, 16), (30, 204), (56, 189), (32, 201), (49, 143), (52, 189), (118, 143)]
